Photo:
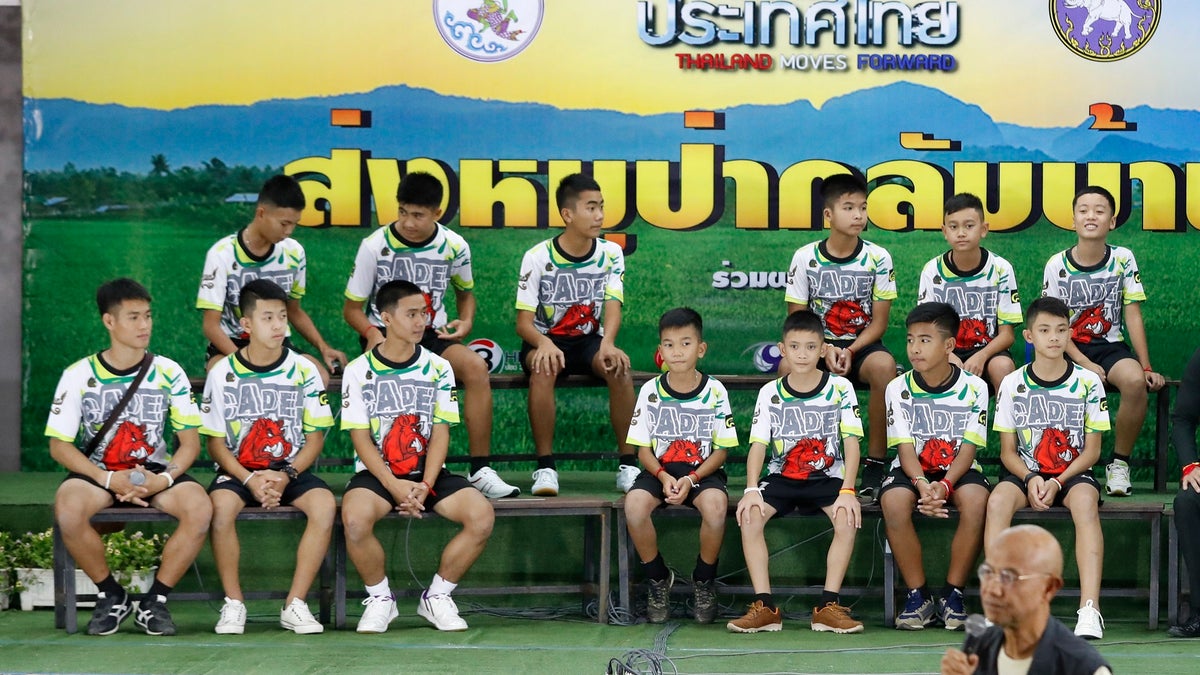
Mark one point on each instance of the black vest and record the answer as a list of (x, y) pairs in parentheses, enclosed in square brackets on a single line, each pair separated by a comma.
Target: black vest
[(1059, 652)]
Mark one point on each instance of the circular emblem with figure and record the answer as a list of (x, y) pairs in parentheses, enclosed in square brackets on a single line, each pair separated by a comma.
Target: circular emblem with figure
[(765, 356), (488, 30), (1105, 30)]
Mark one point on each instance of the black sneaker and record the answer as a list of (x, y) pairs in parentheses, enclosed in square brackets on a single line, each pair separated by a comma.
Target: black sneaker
[(109, 613), (873, 474), (704, 601), (1191, 629), (658, 598), (154, 618)]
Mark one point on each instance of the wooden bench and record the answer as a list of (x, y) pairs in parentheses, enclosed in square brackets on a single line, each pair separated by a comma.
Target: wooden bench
[(65, 596), (1149, 513), (597, 551), (627, 556)]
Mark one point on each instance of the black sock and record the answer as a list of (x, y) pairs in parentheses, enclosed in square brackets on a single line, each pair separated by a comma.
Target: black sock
[(1123, 458), (110, 588), (157, 588), (766, 599), (924, 591), (656, 570), (478, 463), (828, 597), (546, 462), (627, 460), (950, 588), (704, 571)]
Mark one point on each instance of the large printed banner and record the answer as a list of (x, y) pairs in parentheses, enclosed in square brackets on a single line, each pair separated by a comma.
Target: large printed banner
[(709, 126)]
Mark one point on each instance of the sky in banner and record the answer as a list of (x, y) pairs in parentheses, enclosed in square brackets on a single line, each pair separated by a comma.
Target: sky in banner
[(166, 55)]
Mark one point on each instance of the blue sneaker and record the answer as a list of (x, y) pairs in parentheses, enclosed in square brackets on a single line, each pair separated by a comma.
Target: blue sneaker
[(917, 614), (951, 610)]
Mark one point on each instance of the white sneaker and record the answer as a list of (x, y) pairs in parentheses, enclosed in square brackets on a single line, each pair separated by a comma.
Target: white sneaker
[(487, 481), (379, 612), (545, 483), (233, 618), (1116, 479), (625, 476), (1090, 624), (441, 611), (296, 618)]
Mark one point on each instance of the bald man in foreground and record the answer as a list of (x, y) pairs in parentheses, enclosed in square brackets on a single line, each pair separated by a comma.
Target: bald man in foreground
[(1021, 575)]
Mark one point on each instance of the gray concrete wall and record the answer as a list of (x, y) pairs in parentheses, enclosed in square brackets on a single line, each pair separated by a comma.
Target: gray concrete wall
[(11, 238)]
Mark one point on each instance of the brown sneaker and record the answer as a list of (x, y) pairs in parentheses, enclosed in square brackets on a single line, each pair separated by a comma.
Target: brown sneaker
[(834, 618), (759, 618)]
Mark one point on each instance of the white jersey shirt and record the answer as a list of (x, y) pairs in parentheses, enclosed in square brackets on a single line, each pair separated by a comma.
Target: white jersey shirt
[(842, 291), (803, 431), (433, 265), (936, 421), (682, 426), (567, 294), (1051, 419), (985, 297), (90, 389), (228, 266), (1096, 294)]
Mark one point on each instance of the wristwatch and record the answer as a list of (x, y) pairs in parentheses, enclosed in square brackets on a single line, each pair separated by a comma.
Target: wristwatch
[(290, 471)]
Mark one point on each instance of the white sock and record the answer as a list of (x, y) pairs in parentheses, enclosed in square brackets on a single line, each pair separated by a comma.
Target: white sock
[(381, 589), (440, 586)]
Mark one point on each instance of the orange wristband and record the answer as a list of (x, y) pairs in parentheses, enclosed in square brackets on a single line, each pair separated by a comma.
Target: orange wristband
[(428, 487)]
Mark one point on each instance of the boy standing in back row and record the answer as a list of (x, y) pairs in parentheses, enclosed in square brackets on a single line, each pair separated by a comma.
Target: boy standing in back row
[(417, 248), (569, 299), (980, 286), (264, 249), (850, 284), (1103, 289)]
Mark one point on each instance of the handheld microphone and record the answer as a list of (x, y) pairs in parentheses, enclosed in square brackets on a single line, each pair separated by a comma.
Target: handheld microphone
[(975, 626), (137, 478)]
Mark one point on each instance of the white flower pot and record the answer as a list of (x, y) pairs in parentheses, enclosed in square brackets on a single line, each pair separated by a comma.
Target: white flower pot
[(39, 586)]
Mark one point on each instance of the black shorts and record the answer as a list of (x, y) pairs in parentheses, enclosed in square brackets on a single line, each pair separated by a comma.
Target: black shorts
[(152, 468), (807, 497), (646, 481), (242, 342), (856, 362), (429, 340), (1085, 478), (964, 354), (295, 489), (896, 478), (1106, 354), (577, 351), (446, 484)]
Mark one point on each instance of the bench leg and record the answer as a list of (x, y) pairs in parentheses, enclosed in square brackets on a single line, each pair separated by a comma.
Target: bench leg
[(64, 586), (889, 585), (1155, 563), (338, 543), (624, 582), (326, 593), (1172, 572), (605, 564)]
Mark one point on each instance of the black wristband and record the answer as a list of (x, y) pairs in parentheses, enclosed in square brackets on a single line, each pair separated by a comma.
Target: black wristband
[(1030, 476)]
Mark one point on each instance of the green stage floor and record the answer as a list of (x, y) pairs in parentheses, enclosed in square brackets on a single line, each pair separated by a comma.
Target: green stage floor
[(499, 642)]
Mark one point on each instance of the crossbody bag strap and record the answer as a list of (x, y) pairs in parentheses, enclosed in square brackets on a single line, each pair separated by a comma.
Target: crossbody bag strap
[(121, 405)]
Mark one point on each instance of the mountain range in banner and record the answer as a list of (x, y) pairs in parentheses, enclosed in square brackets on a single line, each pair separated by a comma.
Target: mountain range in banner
[(861, 128)]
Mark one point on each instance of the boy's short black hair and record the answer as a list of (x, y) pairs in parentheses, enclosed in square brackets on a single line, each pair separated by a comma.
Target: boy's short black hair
[(1096, 190), (681, 317), (942, 315), (259, 289), (571, 187), (393, 292), (963, 200), (283, 192), (112, 293), (839, 185), (420, 189), (1047, 305), (804, 320)]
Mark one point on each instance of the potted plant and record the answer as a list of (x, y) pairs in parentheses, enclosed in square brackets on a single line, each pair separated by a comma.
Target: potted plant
[(131, 557)]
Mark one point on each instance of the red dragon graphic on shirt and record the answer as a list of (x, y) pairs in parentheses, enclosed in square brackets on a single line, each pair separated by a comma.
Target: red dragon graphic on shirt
[(1090, 325), (577, 320), (936, 455), (263, 444), (972, 333), (846, 318), (404, 445), (128, 447), (806, 456), (682, 450), (429, 313), (1053, 452)]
